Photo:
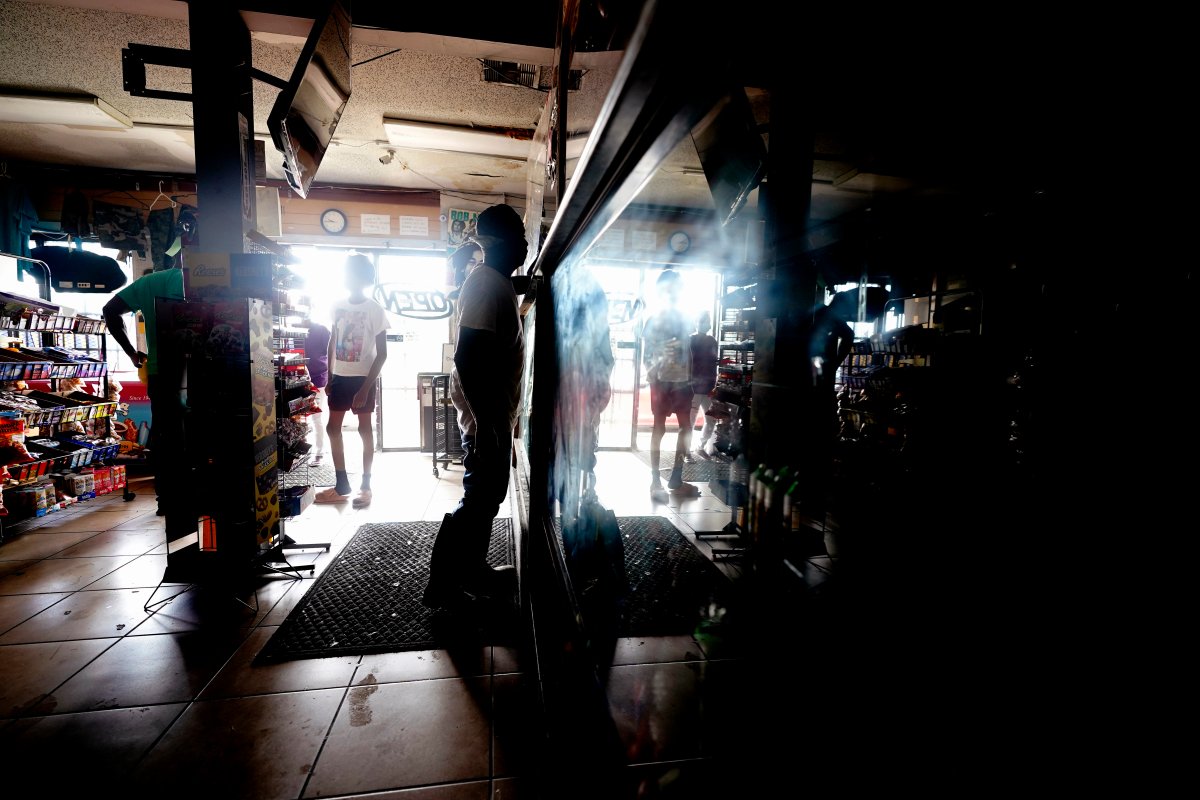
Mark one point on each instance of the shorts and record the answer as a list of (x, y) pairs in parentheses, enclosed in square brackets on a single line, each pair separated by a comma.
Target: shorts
[(671, 398), (341, 391)]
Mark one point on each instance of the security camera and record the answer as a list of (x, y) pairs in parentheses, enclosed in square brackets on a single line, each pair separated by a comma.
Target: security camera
[(387, 157)]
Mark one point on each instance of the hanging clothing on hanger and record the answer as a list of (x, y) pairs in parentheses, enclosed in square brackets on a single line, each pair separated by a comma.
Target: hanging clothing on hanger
[(18, 216), (161, 222), (76, 214), (119, 227)]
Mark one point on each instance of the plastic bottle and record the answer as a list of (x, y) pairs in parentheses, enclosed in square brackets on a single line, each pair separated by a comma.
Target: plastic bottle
[(760, 503), (737, 490), (751, 497), (791, 507)]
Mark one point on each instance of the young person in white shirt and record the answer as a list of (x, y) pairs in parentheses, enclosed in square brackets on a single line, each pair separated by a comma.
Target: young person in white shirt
[(357, 350)]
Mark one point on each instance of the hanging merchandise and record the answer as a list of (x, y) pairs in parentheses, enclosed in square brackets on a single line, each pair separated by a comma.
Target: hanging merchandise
[(187, 231), (161, 222), (81, 271), (76, 214), (17, 216), (119, 227)]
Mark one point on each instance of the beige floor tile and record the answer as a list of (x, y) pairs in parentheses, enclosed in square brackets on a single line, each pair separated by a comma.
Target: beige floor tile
[(398, 735), (83, 615), (104, 747), (261, 747), (241, 677), (29, 672), (59, 574)]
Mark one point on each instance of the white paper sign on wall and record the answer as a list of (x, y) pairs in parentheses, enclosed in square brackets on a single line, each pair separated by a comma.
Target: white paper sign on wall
[(377, 223), (414, 226)]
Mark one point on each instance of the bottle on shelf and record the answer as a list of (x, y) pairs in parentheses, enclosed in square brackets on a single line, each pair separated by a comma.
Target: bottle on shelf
[(752, 496), (738, 491)]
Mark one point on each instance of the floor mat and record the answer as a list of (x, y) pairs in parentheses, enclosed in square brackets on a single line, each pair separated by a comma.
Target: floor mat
[(320, 475), (696, 472), (369, 599), (671, 589)]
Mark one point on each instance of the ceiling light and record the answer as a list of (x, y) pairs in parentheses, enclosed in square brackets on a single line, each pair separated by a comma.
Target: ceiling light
[(428, 136), (84, 110)]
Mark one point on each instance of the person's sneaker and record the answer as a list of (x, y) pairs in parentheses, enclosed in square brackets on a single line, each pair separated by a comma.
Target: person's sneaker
[(658, 494), (362, 499), (685, 490)]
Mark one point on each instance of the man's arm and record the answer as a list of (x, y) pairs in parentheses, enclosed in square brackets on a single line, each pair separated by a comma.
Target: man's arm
[(476, 359), (114, 317), (360, 397)]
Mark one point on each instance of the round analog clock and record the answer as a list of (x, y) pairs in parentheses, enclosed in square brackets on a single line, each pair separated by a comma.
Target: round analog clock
[(680, 242), (333, 221)]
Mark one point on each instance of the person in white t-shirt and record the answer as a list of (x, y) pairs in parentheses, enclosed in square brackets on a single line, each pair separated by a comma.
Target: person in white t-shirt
[(485, 387), (357, 350)]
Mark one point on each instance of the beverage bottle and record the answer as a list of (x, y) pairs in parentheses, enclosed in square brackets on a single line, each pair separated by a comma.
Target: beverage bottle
[(737, 490), (760, 503), (791, 508), (751, 497), (773, 515)]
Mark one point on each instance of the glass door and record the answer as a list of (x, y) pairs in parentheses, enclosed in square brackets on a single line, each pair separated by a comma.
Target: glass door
[(412, 289), (623, 288)]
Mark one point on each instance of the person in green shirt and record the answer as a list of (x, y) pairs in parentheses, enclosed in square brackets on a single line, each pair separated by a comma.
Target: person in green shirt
[(163, 381)]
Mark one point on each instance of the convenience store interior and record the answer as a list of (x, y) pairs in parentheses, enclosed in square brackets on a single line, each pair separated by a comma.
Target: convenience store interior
[(938, 608)]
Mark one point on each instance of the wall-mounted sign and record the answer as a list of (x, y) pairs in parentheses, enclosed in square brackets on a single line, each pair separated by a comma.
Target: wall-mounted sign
[(414, 226), (413, 303), (461, 225), (377, 223)]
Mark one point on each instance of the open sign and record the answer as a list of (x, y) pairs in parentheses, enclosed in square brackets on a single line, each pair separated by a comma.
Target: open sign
[(414, 303)]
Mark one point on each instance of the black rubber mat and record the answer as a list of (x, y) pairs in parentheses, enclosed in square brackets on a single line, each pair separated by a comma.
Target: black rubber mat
[(369, 599), (696, 472), (320, 475), (671, 588)]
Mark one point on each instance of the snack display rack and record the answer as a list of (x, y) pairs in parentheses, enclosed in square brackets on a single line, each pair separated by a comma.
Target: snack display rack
[(58, 447)]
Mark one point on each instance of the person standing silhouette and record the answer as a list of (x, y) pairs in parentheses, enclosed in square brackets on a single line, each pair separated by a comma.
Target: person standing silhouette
[(704, 380), (357, 351), (667, 355), (485, 388)]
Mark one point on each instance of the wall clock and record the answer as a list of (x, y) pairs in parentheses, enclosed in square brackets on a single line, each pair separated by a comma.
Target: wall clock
[(680, 242), (333, 221)]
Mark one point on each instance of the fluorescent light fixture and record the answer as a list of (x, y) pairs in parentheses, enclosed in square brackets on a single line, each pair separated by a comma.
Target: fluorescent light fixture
[(429, 136), (84, 110)]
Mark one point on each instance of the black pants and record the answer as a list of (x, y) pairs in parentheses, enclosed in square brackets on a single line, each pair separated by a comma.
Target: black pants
[(460, 551), (168, 450)]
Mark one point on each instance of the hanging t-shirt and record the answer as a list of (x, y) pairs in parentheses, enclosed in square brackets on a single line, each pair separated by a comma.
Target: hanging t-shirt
[(17, 218), (488, 302), (355, 328), (140, 296)]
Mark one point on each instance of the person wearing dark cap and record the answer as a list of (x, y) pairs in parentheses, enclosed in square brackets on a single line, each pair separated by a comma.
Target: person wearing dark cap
[(485, 388)]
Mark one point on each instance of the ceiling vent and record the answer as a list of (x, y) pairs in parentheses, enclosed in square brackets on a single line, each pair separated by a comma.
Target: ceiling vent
[(528, 75)]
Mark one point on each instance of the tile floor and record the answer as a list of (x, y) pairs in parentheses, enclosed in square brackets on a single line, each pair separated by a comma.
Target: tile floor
[(97, 693)]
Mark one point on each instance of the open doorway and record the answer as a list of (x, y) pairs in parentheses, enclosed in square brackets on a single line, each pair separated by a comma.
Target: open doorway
[(410, 287)]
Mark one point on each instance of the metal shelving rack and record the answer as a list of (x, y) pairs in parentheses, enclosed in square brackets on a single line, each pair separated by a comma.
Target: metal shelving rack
[(447, 444)]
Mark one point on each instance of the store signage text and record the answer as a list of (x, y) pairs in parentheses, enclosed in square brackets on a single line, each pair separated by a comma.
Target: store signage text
[(414, 303)]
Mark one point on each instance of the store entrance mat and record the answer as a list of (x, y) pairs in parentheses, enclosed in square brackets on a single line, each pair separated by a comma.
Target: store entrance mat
[(673, 589), (670, 588), (696, 471), (304, 475), (369, 599)]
